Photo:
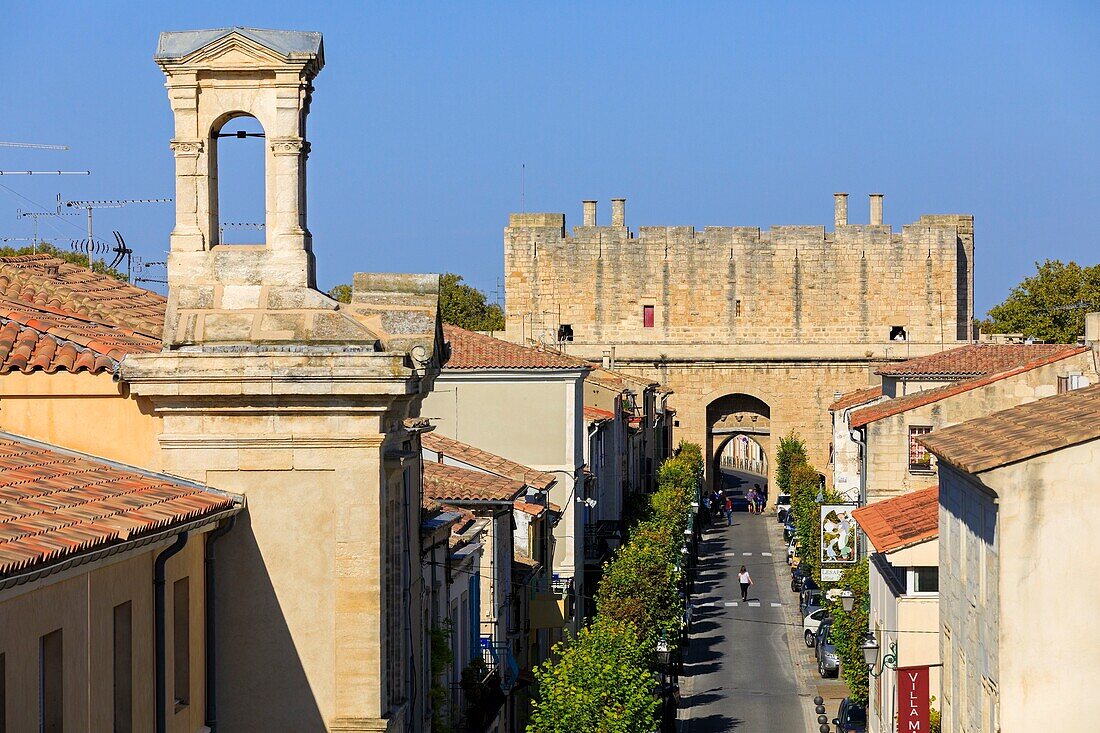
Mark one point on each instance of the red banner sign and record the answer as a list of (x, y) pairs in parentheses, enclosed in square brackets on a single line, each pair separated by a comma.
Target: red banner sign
[(913, 699)]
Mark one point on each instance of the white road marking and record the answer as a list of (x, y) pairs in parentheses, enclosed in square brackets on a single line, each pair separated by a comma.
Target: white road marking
[(730, 604), (765, 554), (776, 605), (729, 554), (746, 554), (706, 604), (754, 604)]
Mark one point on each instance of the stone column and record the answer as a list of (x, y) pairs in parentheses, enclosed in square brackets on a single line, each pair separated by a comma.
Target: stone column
[(589, 212), (618, 212), (840, 210), (876, 209)]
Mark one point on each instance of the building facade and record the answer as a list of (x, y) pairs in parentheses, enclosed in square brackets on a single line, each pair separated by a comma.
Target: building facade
[(739, 320)]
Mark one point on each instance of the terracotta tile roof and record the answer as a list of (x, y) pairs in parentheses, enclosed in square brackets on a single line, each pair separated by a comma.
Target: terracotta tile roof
[(470, 350), (972, 360), (592, 414), (928, 396), (45, 280), (448, 484), (527, 562), (55, 505), (1021, 432), (39, 339), (902, 521), (486, 461), (856, 398), (528, 507)]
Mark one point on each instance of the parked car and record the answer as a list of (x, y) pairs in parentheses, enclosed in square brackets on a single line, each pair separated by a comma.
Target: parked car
[(799, 578), (810, 624), (789, 531), (809, 598), (739, 500), (792, 549), (828, 661), (782, 507), (851, 717)]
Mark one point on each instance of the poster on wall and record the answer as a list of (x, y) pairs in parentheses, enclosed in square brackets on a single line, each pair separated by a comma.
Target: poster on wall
[(838, 534)]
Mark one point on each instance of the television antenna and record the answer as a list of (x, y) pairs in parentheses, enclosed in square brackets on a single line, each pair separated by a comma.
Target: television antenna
[(36, 215), (103, 204), (142, 266), (39, 146)]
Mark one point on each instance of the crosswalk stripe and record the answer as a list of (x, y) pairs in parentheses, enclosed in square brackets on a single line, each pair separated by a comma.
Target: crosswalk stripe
[(776, 605), (746, 554), (765, 554), (754, 604), (730, 604), (729, 554)]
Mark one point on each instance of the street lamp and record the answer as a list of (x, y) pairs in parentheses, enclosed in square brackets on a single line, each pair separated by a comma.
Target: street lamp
[(847, 600), (870, 649)]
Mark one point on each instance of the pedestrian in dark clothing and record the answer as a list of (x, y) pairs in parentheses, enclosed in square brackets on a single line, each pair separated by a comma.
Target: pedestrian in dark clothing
[(745, 580), (729, 511)]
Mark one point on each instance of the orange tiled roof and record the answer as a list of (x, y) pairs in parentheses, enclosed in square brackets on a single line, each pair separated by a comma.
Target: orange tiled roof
[(919, 399), (594, 413), (55, 504), (528, 507), (972, 360), (470, 350), (1021, 432), (448, 484), (856, 398), (486, 461), (39, 339), (45, 280), (902, 521)]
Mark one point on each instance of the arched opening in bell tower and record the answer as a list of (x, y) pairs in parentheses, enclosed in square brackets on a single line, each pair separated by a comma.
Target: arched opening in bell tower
[(238, 180)]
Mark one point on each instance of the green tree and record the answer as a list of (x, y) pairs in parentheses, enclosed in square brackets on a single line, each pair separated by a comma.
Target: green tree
[(1050, 305), (791, 450), (849, 628), (599, 683), (459, 304)]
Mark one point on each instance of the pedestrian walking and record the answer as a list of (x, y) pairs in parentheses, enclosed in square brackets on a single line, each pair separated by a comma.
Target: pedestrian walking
[(761, 498), (745, 580), (752, 501), (729, 511)]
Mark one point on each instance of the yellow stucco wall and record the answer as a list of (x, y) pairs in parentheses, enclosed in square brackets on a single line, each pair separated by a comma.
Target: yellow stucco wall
[(81, 603), (82, 412)]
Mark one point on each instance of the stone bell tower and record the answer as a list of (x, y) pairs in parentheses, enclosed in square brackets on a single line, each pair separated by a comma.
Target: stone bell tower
[(306, 406)]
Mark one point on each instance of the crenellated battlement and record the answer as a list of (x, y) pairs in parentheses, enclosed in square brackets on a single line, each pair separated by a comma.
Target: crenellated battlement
[(855, 283)]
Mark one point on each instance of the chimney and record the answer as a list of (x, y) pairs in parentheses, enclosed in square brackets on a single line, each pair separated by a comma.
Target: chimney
[(876, 209), (589, 212), (840, 210), (618, 212), (1092, 329)]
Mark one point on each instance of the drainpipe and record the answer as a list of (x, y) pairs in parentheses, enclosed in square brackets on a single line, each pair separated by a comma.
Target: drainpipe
[(158, 623), (860, 437), (211, 597)]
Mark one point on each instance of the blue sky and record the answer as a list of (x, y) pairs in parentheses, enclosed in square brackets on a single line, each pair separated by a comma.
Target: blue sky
[(699, 113)]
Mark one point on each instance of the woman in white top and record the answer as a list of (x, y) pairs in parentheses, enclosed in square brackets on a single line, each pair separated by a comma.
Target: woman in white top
[(745, 580)]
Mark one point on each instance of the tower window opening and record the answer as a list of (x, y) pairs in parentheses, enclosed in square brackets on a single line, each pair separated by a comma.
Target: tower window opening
[(238, 181)]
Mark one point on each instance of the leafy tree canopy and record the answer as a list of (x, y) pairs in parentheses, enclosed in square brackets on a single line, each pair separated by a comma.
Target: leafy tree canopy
[(599, 683), (459, 304), (1050, 305)]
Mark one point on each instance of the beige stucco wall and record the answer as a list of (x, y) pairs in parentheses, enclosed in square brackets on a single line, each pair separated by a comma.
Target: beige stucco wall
[(888, 471), (910, 621), (1048, 518), (81, 602), (82, 412)]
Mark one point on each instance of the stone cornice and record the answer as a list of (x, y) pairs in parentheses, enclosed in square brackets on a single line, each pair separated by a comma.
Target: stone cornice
[(272, 441)]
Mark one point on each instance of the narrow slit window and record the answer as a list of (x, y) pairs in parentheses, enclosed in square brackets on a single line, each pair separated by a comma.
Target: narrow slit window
[(647, 316), (737, 307), (123, 668), (181, 641), (51, 683)]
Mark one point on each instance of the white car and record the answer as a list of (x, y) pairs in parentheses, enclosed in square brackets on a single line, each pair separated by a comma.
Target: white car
[(810, 624), (782, 506)]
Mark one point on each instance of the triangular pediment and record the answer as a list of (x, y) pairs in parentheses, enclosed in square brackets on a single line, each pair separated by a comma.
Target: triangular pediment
[(233, 51), (239, 47)]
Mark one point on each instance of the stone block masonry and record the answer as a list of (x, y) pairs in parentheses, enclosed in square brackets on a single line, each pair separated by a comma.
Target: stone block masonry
[(782, 314)]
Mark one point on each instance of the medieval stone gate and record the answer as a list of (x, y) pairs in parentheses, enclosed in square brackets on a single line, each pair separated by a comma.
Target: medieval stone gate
[(788, 316)]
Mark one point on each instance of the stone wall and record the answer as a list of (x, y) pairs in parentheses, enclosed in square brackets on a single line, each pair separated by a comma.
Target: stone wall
[(789, 315)]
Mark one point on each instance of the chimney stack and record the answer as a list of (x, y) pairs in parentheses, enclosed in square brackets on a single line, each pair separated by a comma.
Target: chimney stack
[(618, 212), (589, 212), (876, 209), (840, 210)]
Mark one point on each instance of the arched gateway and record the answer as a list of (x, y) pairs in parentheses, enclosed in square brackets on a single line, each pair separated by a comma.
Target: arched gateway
[(736, 417)]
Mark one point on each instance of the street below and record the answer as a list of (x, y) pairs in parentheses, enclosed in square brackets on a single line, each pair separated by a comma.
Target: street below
[(739, 672)]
